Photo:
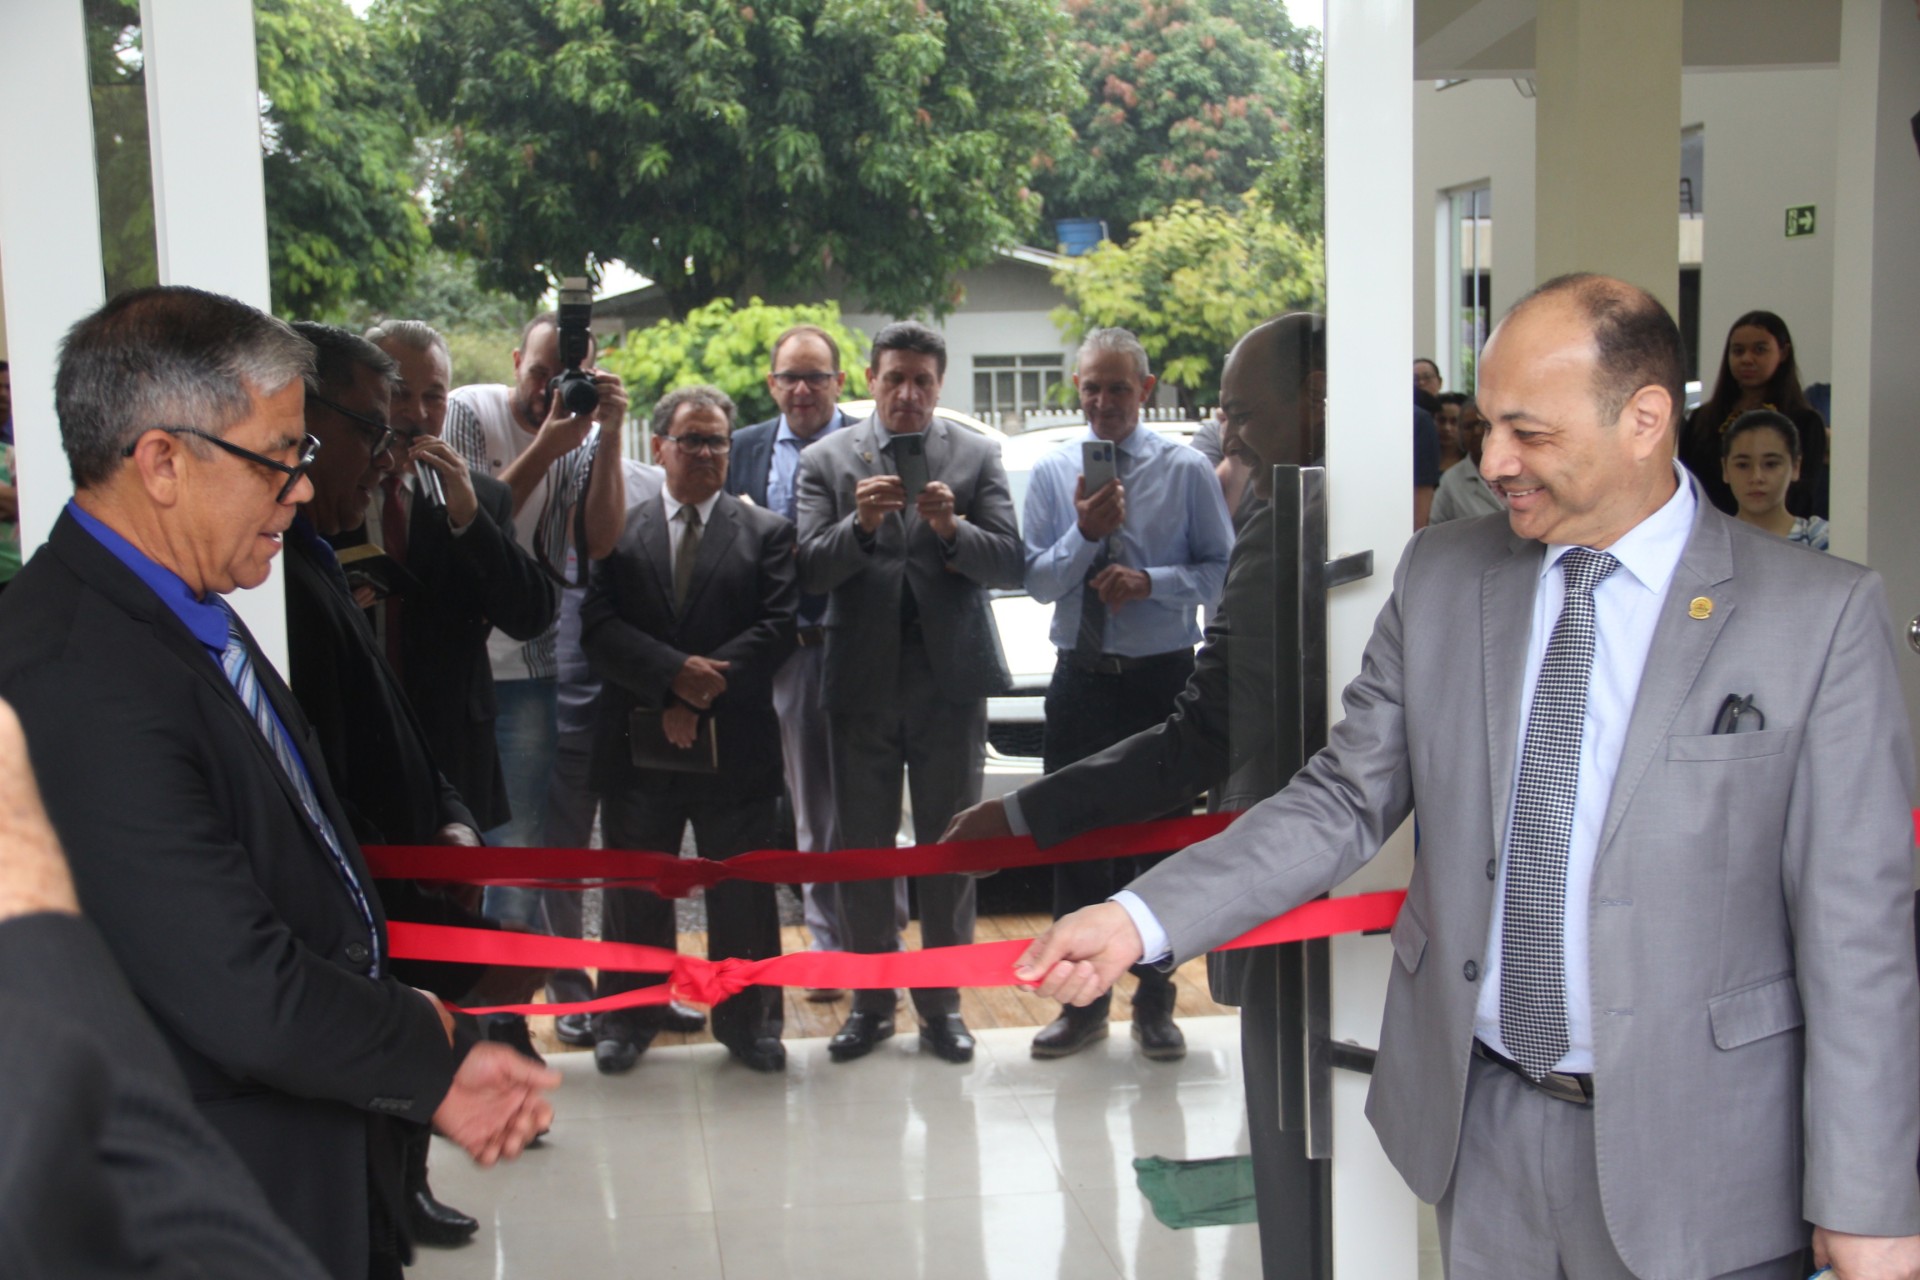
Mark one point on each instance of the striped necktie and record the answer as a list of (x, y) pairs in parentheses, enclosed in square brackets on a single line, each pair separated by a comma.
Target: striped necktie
[(237, 663)]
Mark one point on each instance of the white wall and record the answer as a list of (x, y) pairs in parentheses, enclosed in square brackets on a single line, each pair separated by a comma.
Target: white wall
[(1770, 143), (1475, 132)]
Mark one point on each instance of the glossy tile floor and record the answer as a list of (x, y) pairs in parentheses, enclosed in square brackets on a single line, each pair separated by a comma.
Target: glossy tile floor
[(895, 1165)]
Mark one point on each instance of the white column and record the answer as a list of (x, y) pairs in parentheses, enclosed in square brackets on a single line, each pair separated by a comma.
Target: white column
[(209, 196), (1370, 162), (49, 232), (1876, 307), (1607, 148)]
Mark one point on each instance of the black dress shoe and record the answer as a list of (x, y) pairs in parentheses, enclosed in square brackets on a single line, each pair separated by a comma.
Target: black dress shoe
[(761, 1053), (615, 1054), (1069, 1033), (574, 1028), (683, 1018), (513, 1033), (1160, 1040), (858, 1034), (948, 1037), (437, 1225)]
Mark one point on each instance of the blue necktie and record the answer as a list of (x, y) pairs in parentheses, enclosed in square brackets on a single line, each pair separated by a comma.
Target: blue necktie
[(237, 663), (1533, 980)]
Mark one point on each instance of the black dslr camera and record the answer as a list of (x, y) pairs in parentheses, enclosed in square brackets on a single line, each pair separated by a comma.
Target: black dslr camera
[(575, 386)]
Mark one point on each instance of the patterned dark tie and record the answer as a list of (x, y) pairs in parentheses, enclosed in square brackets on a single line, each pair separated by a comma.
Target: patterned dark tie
[(685, 555), (1533, 990), (237, 663), (1090, 641)]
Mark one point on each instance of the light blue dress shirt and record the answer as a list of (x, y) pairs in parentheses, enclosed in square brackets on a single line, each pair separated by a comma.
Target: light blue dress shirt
[(1177, 530), (783, 496), (1626, 609)]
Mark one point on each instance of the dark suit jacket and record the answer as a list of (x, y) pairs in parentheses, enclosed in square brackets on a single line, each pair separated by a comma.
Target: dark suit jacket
[(739, 609), (468, 586), (215, 893), (865, 579), (375, 751), (106, 1169), (752, 462)]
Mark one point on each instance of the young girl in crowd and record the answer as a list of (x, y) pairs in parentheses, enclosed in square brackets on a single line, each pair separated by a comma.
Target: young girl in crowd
[(1760, 458), (1757, 371)]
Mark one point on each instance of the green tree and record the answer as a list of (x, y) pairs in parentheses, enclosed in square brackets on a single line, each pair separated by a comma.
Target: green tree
[(1185, 100), (1190, 282), (338, 119), (481, 326), (728, 346), (337, 151), (721, 147), (1295, 184)]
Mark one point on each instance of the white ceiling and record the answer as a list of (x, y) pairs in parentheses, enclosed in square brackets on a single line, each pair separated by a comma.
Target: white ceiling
[(1489, 39)]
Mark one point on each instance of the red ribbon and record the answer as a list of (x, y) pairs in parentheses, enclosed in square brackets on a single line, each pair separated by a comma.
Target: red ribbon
[(986, 964), (671, 876)]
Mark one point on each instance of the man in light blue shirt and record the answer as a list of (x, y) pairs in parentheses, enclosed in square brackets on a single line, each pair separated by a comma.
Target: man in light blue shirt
[(1126, 568)]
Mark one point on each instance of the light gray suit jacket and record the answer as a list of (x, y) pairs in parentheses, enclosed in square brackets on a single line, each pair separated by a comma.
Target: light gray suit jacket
[(1756, 1013), (863, 583)]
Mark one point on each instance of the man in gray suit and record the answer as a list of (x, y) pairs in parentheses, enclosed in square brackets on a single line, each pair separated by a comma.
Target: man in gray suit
[(911, 653), (1653, 1006)]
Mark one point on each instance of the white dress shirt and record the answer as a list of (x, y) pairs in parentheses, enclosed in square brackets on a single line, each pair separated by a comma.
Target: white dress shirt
[(677, 528)]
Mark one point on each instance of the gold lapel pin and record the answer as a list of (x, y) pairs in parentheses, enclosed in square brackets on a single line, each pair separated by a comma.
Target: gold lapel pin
[(1701, 607), (866, 455)]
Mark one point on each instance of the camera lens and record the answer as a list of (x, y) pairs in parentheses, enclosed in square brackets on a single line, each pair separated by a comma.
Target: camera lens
[(578, 393)]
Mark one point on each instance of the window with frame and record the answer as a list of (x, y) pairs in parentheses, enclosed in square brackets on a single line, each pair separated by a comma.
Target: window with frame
[(1007, 388), (1470, 281)]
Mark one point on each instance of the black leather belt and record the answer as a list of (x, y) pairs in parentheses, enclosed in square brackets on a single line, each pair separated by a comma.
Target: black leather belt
[(811, 637), (1113, 664), (1562, 1085)]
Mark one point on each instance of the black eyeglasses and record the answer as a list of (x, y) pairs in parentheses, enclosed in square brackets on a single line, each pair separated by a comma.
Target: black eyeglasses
[(814, 380), (309, 450), (383, 435), (715, 445)]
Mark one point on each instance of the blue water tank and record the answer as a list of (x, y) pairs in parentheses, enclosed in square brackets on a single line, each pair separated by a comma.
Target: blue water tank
[(1077, 235)]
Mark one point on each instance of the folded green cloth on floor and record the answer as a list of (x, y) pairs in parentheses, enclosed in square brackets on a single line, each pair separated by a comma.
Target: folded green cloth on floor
[(1198, 1193)]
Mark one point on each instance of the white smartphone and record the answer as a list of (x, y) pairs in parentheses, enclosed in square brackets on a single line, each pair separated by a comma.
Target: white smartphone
[(1096, 465)]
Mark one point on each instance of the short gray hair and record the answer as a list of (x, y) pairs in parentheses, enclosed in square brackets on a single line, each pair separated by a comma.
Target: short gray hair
[(1120, 342), (707, 397), (166, 356), (414, 335)]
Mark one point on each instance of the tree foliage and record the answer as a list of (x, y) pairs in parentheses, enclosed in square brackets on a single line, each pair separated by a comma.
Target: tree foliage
[(1186, 99), (728, 346), (1190, 282), (722, 146), (481, 326), (1295, 183), (337, 127), (336, 131)]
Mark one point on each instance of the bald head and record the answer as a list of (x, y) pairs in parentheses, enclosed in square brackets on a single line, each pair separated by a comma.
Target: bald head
[(1274, 394), (1635, 341)]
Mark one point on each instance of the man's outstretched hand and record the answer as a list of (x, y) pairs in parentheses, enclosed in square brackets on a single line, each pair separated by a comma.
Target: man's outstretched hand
[(497, 1104), (1866, 1257), (1081, 955)]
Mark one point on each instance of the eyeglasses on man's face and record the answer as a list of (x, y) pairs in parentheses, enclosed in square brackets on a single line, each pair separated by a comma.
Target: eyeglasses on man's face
[(382, 435), (691, 444), (309, 450), (816, 380)]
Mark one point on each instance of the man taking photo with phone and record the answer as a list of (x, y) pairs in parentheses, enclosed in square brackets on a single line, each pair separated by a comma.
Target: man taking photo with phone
[(1127, 536)]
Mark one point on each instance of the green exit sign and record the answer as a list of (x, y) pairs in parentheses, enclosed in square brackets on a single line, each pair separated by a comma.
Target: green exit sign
[(1800, 220)]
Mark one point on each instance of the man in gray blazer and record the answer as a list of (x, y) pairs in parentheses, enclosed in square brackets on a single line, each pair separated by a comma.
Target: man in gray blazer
[(1654, 1005), (911, 653)]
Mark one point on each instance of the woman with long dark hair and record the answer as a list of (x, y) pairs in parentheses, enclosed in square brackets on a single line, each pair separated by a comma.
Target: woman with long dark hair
[(1757, 371)]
